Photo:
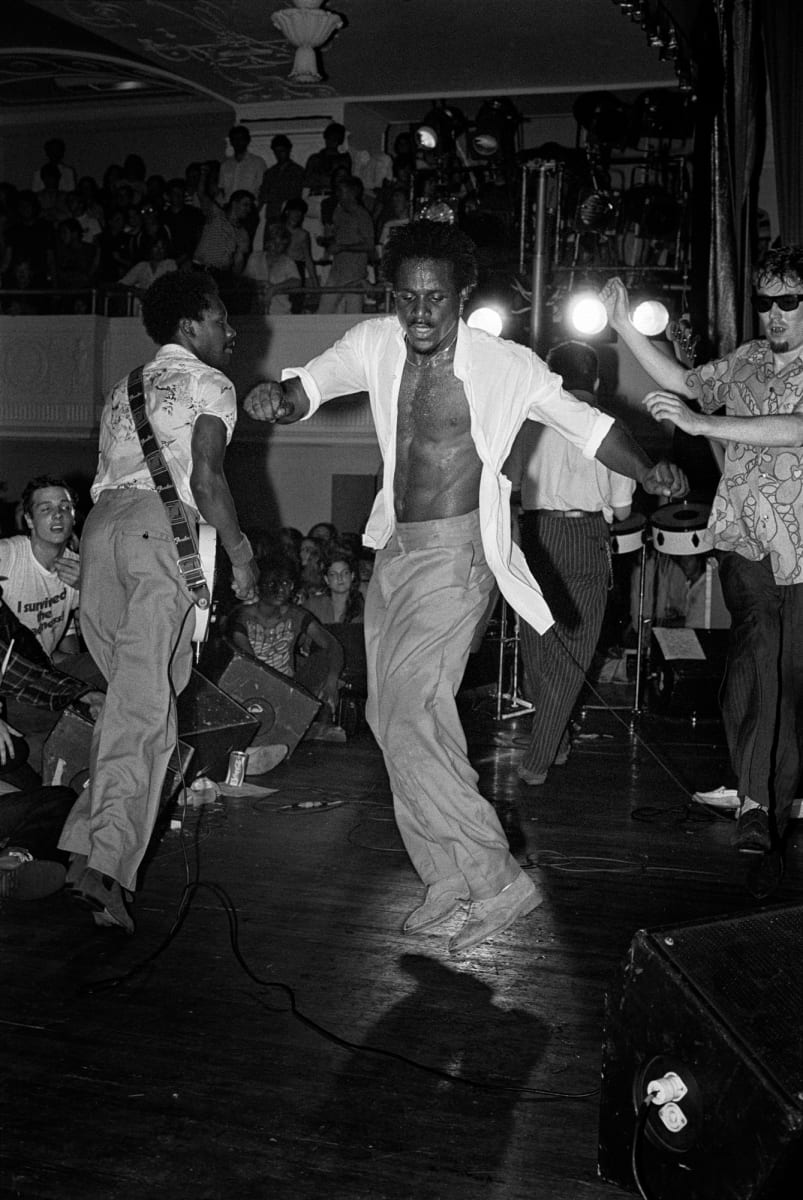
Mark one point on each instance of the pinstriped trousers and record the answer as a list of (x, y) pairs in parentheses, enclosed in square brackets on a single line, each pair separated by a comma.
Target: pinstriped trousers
[(570, 558), (762, 693)]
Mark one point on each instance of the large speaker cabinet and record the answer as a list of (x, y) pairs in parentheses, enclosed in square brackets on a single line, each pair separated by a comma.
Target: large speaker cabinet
[(210, 725), (65, 754), (283, 709), (720, 1004)]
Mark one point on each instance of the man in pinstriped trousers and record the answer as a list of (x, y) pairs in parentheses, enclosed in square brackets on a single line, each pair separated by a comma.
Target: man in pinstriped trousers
[(568, 502)]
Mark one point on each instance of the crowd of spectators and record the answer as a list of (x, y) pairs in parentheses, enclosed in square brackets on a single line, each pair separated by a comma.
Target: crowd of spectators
[(272, 235)]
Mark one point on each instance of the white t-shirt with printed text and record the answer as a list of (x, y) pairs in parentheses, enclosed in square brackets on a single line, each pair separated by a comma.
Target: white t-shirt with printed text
[(41, 601)]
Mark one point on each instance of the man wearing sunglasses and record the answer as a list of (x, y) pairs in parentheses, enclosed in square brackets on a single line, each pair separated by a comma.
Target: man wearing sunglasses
[(757, 522)]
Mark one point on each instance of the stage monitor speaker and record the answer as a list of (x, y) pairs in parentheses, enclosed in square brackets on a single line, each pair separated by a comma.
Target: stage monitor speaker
[(684, 686), (283, 708), (719, 1004), (65, 754), (213, 723)]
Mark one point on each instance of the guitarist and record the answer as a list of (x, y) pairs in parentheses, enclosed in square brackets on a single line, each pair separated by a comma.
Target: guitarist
[(136, 608)]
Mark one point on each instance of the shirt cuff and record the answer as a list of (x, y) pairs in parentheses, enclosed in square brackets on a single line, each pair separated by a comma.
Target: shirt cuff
[(309, 385), (602, 426)]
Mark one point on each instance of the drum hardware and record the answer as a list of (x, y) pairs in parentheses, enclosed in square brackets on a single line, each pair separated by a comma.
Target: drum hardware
[(517, 704), (627, 536)]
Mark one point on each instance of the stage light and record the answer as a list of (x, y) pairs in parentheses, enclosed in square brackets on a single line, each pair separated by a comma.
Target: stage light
[(650, 317), (495, 128), (586, 313), (440, 128), (487, 318), (426, 138)]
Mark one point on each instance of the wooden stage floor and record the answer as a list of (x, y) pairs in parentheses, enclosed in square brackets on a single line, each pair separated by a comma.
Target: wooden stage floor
[(290, 1043)]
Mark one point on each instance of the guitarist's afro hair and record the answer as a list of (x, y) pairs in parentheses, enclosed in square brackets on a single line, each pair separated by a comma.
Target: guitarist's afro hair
[(174, 297)]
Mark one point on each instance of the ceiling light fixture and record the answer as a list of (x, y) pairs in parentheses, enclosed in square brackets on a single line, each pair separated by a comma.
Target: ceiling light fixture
[(307, 26)]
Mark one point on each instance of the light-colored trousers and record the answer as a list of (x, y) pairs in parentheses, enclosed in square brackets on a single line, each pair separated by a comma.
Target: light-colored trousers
[(137, 624), (428, 591)]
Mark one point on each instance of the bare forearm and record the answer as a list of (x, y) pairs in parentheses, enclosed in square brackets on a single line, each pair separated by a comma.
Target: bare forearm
[(783, 429), (211, 492), (780, 429), (620, 452), (665, 370)]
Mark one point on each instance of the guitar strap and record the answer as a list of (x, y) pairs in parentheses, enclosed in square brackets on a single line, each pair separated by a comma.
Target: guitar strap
[(183, 528)]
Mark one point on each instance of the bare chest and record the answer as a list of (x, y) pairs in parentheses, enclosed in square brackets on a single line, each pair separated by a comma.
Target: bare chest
[(432, 405)]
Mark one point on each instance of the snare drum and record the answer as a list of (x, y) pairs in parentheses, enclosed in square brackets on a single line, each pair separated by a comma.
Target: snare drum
[(629, 534), (681, 528)]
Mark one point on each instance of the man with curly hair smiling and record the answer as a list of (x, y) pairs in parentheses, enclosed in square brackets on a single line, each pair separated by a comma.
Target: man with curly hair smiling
[(757, 522)]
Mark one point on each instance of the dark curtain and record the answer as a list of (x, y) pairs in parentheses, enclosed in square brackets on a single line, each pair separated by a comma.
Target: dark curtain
[(735, 152), (783, 41)]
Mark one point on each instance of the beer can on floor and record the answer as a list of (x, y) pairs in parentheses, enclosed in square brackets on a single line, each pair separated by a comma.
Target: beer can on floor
[(236, 772)]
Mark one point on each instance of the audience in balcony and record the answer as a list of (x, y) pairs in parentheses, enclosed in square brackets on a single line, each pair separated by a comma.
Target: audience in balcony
[(91, 225), (73, 267), (135, 222), (241, 171), (225, 241), (144, 272), (52, 199), (29, 237), (183, 221), (134, 176), (300, 248), (274, 271), (282, 182), (351, 248), (20, 279), (55, 150), (321, 164)]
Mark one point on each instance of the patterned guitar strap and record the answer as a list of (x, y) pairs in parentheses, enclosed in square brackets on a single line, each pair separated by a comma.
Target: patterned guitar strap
[(189, 560)]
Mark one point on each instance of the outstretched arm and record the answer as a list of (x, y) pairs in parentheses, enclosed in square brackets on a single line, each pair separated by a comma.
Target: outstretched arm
[(782, 429), (280, 403), (665, 370), (620, 452)]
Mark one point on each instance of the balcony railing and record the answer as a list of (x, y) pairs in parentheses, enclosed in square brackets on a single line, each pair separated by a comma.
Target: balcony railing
[(246, 297)]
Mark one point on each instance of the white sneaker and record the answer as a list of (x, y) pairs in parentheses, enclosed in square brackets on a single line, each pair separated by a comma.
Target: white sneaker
[(725, 799), (728, 800)]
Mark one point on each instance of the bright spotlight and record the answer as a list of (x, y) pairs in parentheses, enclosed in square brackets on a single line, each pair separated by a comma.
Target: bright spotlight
[(650, 317), (426, 137), (489, 319), (586, 313)]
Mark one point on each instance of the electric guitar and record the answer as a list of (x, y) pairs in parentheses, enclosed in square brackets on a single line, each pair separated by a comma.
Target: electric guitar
[(204, 607), (684, 342)]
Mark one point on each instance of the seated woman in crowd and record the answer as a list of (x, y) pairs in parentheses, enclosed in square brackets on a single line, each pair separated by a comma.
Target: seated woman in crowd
[(342, 602), (275, 629)]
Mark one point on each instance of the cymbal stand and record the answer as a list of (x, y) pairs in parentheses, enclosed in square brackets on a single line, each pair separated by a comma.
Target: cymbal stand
[(518, 704), (635, 707)]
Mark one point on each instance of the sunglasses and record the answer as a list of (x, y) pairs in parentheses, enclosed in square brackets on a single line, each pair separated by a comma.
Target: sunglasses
[(786, 303)]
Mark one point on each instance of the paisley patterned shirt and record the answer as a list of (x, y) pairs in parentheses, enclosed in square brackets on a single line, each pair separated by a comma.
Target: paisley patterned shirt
[(758, 507)]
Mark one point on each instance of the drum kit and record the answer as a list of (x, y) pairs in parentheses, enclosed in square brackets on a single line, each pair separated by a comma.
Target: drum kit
[(675, 529)]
